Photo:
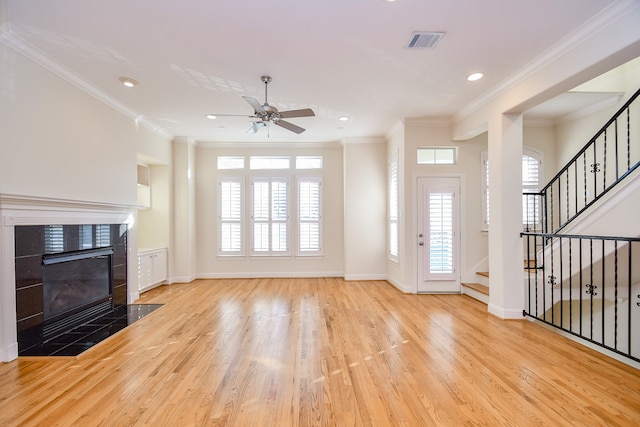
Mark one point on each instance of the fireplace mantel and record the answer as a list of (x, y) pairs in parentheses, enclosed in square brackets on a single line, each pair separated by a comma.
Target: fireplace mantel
[(18, 210)]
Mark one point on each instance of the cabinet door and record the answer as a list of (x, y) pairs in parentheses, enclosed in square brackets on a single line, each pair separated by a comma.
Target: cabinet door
[(159, 269), (144, 271)]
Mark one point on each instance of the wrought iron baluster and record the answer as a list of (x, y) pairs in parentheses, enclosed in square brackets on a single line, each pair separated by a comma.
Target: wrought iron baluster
[(615, 294), (616, 150), (604, 162), (570, 285), (603, 284)]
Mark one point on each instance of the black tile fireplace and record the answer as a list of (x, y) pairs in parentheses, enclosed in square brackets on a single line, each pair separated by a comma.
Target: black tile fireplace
[(68, 277)]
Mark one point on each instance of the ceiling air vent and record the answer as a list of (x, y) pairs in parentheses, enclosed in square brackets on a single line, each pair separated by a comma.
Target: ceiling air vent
[(424, 39)]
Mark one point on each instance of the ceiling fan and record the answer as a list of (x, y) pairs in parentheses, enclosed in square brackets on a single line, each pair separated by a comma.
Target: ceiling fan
[(266, 113)]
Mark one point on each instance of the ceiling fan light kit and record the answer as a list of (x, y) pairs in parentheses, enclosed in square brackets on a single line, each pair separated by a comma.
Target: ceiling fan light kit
[(266, 113)]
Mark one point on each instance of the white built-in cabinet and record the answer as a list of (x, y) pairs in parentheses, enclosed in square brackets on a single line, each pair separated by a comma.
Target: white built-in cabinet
[(152, 267)]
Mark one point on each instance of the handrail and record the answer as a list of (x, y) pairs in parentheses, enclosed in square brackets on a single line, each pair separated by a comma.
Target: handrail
[(592, 140), (571, 191)]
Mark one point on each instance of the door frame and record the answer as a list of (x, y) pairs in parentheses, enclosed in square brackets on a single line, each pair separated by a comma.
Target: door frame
[(449, 287)]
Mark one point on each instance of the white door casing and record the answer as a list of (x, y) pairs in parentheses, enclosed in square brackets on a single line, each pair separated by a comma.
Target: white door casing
[(438, 234)]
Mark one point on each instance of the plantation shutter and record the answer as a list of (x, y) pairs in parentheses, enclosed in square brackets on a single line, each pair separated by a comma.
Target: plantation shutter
[(279, 215), (441, 233), (531, 172), (270, 216), (230, 216), (309, 215), (530, 184), (393, 206)]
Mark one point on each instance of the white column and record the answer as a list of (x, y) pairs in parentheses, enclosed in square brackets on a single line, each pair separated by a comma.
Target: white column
[(506, 299), (182, 250)]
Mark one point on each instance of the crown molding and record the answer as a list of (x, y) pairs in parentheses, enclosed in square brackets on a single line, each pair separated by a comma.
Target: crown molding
[(427, 122), (589, 29), (274, 145), (15, 42), (590, 109), (364, 140)]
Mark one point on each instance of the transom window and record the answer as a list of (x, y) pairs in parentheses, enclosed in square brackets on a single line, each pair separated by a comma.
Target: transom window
[(437, 155)]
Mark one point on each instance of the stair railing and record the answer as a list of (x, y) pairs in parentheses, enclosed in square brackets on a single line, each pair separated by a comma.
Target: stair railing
[(587, 286), (599, 166)]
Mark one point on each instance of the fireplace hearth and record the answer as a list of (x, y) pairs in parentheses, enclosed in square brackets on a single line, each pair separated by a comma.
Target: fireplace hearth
[(71, 286), (74, 341)]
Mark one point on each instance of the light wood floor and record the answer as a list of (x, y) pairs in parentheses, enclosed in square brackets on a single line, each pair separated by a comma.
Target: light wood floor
[(307, 352)]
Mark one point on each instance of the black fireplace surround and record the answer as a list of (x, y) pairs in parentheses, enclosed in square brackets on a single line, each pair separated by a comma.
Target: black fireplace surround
[(71, 287)]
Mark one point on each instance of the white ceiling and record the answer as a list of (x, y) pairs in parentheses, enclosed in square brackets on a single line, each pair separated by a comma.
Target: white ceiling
[(337, 57)]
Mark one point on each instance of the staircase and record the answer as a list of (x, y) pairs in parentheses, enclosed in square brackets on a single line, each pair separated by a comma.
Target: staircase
[(478, 290), (586, 280)]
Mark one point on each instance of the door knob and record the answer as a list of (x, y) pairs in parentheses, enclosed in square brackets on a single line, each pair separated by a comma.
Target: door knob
[(421, 243)]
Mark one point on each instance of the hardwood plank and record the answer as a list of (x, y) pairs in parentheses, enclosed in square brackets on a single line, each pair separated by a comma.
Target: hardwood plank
[(308, 352)]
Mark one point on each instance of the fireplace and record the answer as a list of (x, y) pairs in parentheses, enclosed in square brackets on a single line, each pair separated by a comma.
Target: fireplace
[(66, 276), (75, 286)]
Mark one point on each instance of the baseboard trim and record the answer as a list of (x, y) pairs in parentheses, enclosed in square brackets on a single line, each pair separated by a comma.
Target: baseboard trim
[(356, 277), (269, 275), (507, 314)]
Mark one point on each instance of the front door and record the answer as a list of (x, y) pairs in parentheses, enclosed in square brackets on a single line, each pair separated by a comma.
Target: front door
[(438, 235)]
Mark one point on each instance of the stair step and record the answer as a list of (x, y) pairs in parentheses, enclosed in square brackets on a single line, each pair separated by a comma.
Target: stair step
[(477, 287), (483, 273)]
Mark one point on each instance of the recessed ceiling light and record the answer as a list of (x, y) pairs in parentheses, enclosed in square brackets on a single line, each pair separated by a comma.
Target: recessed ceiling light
[(128, 81), (475, 76), (211, 116), (343, 118)]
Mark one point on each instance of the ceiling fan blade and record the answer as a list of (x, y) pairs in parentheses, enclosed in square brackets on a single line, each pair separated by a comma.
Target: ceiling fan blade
[(233, 115), (289, 126), (305, 112), (255, 127), (255, 104)]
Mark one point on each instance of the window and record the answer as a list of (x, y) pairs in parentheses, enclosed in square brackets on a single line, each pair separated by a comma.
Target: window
[(259, 218), (308, 162), (531, 164), (228, 162), (230, 221), (393, 206), (437, 155), (309, 215), (270, 216), (531, 173), (269, 162), (440, 236)]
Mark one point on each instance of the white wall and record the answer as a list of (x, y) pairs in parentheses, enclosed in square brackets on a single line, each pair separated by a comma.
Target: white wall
[(70, 156), (209, 264), (59, 142), (572, 135), (365, 223), (154, 226), (474, 240)]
